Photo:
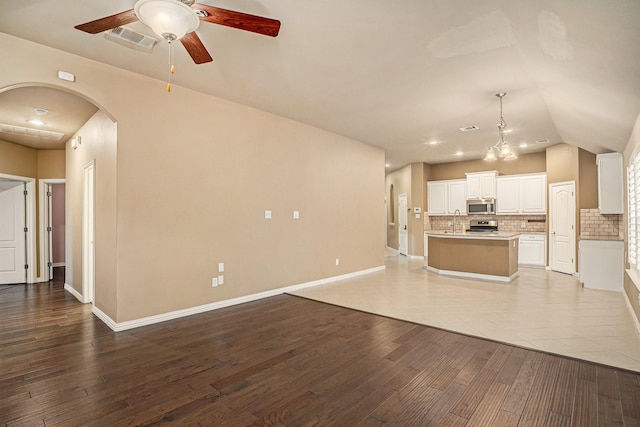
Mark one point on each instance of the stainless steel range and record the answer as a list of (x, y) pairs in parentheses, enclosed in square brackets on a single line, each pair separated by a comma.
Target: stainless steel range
[(483, 226)]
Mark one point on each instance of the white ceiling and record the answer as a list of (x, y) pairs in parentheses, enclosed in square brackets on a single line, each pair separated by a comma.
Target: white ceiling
[(397, 74)]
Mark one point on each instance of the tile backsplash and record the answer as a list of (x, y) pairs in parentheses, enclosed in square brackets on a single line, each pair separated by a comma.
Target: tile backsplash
[(594, 224), (532, 223)]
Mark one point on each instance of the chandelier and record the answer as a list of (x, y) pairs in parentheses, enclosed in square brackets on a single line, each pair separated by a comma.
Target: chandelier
[(501, 148)]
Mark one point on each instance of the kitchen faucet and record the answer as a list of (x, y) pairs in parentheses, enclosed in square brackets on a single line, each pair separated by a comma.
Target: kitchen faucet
[(456, 212)]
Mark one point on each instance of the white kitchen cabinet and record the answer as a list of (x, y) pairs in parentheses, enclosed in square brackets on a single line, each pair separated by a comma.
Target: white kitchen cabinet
[(481, 185), (533, 194), (601, 264), (532, 250), (521, 194), (457, 196), (507, 195), (437, 197), (610, 183), (446, 196)]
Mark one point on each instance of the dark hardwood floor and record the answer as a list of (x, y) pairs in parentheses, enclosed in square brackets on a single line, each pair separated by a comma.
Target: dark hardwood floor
[(284, 361)]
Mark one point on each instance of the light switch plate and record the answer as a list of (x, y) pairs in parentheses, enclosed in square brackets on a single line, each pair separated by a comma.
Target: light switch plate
[(296, 214), (220, 267)]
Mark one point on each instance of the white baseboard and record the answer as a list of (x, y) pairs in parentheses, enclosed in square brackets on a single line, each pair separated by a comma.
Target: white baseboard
[(75, 293), (478, 276), (150, 320)]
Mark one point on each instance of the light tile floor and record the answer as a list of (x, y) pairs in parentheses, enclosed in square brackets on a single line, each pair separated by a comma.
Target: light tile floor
[(541, 310)]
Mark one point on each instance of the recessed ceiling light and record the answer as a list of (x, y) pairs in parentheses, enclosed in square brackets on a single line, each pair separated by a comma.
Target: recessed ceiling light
[(432, 142), (524, 145), (36, 122), (386, 165), (41, 111), (507, 131), (459, 153)]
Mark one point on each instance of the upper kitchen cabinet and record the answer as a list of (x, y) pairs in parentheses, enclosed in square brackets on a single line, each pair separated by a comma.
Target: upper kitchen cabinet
[(610, 183), (446, 196), (481, 185), (521, 194)]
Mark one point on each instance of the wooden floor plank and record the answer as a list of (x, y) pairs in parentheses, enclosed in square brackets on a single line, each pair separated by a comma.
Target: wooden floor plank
[(284, 361)]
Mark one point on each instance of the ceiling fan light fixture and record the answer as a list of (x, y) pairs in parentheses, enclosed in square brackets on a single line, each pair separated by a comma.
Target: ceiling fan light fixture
[(170, 19)]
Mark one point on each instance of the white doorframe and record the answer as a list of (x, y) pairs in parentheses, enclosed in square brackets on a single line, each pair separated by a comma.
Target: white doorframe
[(44, 235), (403, 225), (570, 266), (88, 233), (30, 210)]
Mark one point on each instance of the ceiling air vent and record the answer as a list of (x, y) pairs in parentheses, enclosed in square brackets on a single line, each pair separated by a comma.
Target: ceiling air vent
[(36, 133), (469, 128), (542, 141), (132, 39)]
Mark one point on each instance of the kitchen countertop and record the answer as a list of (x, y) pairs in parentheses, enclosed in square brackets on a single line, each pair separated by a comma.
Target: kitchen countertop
[(481, 235)]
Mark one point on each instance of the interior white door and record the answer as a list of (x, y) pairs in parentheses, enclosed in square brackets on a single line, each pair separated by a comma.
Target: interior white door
[(88, 234), (403, 232), (12, 235), (48, 232), (562, 227)]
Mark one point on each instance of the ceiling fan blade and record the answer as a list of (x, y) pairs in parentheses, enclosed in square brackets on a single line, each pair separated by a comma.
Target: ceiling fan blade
[(243, 21), (108, 22), (196, 49)]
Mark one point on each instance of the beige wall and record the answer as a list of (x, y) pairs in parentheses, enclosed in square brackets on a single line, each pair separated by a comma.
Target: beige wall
[(194, 176), (526, 163), (562, 163), (401, 180), (18, 160), (587, 180), (98, 145), (51, 164)]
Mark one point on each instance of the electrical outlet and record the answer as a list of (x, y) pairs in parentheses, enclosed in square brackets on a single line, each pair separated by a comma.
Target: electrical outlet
[(337, 261), (267, 214), (296, 214), (220, 280), (220, 267), (214, 282)]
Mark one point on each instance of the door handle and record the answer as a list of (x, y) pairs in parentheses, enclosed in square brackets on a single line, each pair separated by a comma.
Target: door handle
[(405, 227)]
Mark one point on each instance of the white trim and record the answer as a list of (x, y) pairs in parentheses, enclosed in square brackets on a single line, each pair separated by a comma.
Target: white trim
[(150, 320), (78, 295), (44, 270), (88, 232), (466, 275), (393, 250), (632, 276)]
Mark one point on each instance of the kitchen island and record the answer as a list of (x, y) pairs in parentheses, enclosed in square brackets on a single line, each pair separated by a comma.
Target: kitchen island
[(475, 255)]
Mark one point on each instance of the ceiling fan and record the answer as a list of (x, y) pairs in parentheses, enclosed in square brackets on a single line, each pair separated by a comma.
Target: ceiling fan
[(178, 19)]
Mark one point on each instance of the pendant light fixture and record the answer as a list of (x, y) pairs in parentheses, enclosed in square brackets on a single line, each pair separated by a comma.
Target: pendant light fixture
[(501, 148)]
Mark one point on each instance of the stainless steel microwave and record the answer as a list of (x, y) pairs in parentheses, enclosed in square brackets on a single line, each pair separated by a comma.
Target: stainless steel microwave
[(481, 207)]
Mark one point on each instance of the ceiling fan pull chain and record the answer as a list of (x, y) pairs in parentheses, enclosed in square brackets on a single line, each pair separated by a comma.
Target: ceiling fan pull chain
[(171, 67)]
